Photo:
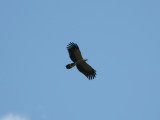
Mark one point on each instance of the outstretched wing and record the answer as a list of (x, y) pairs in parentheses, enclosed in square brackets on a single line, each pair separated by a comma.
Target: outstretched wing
[(74, 52), (87, 70)]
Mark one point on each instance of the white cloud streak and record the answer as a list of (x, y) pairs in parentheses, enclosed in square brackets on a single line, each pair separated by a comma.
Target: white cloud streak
[(13, 117)]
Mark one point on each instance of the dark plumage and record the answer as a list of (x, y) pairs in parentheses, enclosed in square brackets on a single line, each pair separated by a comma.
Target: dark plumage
[(79, 62), (74, 52)]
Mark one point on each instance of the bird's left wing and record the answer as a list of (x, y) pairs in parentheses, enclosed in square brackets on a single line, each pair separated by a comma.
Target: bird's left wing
[(87, 70), (74, 52)]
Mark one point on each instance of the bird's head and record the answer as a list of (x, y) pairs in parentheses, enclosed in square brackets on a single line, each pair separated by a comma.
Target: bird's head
[(85, 59)]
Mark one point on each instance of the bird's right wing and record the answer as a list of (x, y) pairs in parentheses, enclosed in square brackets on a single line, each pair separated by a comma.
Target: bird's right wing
[(87, 70), (74, 52)]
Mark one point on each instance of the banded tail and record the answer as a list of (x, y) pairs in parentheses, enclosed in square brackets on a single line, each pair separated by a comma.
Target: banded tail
[(69, 66)]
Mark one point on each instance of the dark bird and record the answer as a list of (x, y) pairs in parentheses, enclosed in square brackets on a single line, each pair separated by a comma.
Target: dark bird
[(79, 62)]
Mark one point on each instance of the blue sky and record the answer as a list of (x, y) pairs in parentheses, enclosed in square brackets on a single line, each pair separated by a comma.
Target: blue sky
[(120, 39)]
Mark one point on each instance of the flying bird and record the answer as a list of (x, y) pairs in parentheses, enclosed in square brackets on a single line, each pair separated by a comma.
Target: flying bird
[(79, 62)]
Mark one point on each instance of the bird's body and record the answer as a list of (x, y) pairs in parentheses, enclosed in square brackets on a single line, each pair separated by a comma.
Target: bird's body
[(79, 62), (69, 66)]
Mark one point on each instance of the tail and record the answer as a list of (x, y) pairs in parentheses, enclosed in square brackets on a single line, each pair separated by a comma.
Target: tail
[(69, 66)]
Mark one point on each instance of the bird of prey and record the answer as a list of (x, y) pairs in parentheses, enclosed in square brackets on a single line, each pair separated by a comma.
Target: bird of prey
[(79, 62)]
